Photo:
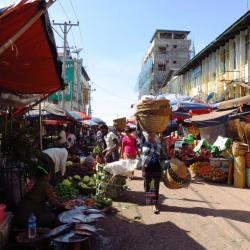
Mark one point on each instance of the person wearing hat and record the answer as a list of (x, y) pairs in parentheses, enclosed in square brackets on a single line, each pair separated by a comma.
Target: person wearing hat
[(35, 201), (151, 169)]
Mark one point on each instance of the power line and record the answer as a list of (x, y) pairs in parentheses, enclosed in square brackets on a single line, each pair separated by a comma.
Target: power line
[(65, 13), (81, 36), (57, 33), (72, 6), (113, 94)]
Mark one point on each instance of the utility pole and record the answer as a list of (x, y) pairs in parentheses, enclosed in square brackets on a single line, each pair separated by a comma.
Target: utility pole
[(65, 28), (77, 51)]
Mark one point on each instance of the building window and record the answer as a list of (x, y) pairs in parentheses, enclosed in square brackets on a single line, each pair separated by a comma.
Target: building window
[(161, 67), (55, 101), (166, 35), (174, 62), (246, 48), (175, 46), (167, 61), (234, 54), (179, 36), (162, 50)]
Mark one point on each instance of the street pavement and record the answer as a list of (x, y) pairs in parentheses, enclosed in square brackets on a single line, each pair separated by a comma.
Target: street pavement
[(203, 216)]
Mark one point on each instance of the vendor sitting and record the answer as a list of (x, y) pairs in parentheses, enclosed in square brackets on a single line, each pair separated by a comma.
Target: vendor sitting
[(204, 154), (187, 155), (36, 199)]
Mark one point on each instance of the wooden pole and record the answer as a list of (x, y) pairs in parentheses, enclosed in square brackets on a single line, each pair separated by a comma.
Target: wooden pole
[(12, 40), (40, 127)]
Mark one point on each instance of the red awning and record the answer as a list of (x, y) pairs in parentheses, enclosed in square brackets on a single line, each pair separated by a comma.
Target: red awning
[(55, 122), (29, 65)]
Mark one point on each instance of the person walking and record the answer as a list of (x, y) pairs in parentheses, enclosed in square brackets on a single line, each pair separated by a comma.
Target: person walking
[(151, 169), (129, 148)]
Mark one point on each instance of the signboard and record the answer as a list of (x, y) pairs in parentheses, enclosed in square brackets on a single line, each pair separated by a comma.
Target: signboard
[(69, 79)]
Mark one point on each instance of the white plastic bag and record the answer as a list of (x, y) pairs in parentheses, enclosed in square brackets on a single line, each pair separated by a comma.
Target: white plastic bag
[(122, 167)]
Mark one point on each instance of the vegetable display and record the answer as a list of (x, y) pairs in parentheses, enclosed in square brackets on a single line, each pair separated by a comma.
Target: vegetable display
[(66, 192)]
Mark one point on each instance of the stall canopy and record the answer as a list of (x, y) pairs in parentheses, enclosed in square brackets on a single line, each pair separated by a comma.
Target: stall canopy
[(237, 102), (28, 59), (212, 119), (51, 108)]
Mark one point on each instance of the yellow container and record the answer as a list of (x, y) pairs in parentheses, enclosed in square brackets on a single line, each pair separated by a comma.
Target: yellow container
[(239, 172)]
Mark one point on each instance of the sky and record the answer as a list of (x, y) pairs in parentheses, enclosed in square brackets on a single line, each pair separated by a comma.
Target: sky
[(115, 34)]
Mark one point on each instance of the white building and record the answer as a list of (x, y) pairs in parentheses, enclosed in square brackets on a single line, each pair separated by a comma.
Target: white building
[(168, 52)]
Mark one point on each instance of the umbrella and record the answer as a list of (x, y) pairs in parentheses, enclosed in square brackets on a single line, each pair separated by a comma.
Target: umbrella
[(97, 120), (90, 123), (79, 115)]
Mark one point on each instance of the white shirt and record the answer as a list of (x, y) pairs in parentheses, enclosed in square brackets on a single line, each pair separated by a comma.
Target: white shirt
[(109, 140), (59, 156), (62, 135), (71, 139)]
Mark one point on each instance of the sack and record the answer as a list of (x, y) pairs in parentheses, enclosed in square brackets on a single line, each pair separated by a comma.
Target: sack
[(122, 167)]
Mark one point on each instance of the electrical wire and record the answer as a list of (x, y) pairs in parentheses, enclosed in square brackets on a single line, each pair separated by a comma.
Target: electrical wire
[(81, 36), (57, 33), (65, 13), (72, 6), (112, 94)]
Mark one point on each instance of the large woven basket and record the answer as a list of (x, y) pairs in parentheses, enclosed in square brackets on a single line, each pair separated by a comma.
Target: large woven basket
[(153, 123), (120, 123), (158, 106)]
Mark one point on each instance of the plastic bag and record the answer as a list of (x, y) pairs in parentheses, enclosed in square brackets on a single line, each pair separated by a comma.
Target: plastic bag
[(122, 167), (139, 164), (222, 143)]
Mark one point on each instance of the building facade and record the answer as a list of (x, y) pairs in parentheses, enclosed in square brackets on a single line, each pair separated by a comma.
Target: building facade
[(169, 50), (76, 93), (221, 70)]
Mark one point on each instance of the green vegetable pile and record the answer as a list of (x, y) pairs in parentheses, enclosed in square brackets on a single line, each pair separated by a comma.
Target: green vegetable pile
[(102, 202), (87, 182), (66, 192)]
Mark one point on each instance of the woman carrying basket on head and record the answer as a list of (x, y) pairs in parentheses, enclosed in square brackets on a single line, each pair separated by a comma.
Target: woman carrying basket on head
[(151, 169)]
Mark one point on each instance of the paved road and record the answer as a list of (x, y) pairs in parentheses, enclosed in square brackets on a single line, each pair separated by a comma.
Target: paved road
[(203, 216)]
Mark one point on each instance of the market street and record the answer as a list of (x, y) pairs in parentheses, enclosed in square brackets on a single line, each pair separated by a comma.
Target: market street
[(203, 216)]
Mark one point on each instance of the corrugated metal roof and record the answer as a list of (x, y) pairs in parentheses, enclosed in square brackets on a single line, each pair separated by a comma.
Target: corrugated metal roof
[(241, 24)]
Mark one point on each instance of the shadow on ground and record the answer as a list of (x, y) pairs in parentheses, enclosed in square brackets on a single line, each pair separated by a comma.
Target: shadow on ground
[(123, 234), (138, 198)]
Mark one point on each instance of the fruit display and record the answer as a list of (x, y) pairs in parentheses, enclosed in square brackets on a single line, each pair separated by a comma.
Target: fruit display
[(66, 192), (195, 167), (215, 174)]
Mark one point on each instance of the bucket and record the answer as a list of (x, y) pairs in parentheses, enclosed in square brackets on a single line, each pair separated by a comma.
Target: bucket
[(2, 212), (248, 177), (239, 172)]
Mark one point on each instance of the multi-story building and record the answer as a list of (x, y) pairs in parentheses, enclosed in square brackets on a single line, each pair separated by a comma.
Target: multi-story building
[(168, 52), (220, 70), (76, 93)]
